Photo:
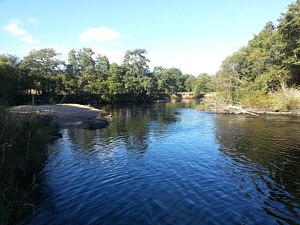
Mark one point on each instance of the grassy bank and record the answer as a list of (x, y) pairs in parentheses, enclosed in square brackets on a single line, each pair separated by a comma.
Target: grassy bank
[(287, 100), (23, 150)]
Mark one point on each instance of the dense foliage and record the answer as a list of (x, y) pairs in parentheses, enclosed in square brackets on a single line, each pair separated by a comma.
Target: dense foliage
[(269, 63), (90, 78)]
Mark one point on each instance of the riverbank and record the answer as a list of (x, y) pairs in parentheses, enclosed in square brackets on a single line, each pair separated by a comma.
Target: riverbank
[(23, 150), (67, 115), (278, 103), (24, 135)]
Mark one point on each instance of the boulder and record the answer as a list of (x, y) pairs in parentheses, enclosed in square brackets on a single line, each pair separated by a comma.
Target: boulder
[(97, 124)]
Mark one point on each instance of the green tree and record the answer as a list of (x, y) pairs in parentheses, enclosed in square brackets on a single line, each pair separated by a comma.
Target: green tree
[(166, 81), (204, 83), (9, 79), (97, 82), (289, 29), (263, 60), (137, 78), (102, 64), (115, 80), (80, 71), (180, 79), (189, 83), (268, 63), (43, 68), (229, 77)]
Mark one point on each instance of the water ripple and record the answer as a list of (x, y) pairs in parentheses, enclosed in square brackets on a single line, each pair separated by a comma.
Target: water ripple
[(169, 165)]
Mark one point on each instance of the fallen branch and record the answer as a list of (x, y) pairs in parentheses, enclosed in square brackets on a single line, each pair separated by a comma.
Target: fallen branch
[(277, 113), (240, 110)]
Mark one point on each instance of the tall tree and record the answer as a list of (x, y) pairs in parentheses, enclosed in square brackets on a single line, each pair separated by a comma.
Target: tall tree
[(270, 61), (9, 79), (80, 70), (43, 67), (115, 81), (289, 29), (189, 83), (137, 77), (166, 81), (203, 84)]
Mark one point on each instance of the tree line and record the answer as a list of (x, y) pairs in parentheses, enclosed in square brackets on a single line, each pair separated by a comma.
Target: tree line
[(269, 63), (90, 78)]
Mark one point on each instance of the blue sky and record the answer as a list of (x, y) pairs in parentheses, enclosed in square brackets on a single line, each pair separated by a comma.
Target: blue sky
[(194, 36)]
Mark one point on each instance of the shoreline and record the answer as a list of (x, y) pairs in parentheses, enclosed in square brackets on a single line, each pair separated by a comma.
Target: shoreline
[(74, 116), (238, 110)]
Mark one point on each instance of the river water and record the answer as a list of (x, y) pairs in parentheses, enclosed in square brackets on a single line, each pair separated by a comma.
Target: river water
[(168, 163)]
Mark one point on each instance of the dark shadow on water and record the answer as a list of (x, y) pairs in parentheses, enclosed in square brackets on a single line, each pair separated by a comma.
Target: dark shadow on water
[(264, 153)]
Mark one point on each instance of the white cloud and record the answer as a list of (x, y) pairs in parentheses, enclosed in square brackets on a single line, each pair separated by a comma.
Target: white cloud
[(63, 50), (28, 39), (188, 62), (23, 50), (14, 29), (113, 55), (101, 35), (116, 43), (19, 51), (32, 21), (16, 22)]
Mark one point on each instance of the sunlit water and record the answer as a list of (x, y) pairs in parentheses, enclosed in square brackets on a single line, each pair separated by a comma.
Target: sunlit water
[(171, 164)]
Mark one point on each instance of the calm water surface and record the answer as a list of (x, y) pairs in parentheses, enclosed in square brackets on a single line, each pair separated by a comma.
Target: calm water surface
[(168, 163)]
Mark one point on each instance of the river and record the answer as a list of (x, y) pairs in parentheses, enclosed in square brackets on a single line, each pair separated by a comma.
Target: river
[(168, 163)]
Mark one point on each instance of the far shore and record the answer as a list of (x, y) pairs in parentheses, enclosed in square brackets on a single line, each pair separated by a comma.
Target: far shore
[(66, 115)]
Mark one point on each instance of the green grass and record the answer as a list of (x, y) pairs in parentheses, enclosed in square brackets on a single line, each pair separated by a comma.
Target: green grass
[(23, 150)]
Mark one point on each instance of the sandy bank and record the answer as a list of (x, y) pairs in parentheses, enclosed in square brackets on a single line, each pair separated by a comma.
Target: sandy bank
[(67, 115)]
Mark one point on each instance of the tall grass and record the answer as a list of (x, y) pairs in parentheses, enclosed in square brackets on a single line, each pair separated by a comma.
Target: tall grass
[(287, 100), (23, 150)]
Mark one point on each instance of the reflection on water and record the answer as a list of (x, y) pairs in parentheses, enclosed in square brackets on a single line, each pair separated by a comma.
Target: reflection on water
[(167, 163), (263, 157)]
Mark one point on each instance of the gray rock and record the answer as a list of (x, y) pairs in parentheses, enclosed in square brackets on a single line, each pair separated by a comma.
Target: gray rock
[(97, 124)]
